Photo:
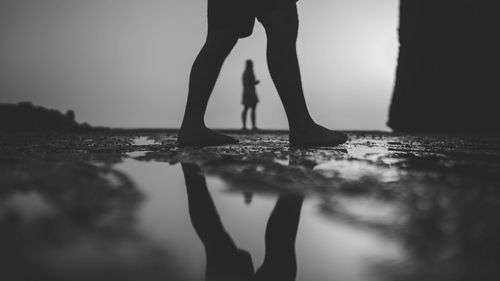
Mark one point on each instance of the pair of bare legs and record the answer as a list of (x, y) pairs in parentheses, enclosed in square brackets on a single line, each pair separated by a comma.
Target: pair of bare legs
[(252, 116), (281, 26)]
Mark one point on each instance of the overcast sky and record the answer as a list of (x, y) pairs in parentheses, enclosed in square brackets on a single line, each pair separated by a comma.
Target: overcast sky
[(126, 63)]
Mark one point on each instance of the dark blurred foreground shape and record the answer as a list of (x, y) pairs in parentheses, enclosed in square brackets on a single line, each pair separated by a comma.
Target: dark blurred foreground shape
[(25, 116), (448, 74)]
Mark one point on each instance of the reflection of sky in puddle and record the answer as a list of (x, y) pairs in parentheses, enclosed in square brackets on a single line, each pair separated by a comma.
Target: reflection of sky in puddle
[(29, 206), (360, 164), (326, 249), (355, 170), (134, 154), (332, 250), (371, 209), (379, 153), (282, 162), (142, 140), (369, 153)]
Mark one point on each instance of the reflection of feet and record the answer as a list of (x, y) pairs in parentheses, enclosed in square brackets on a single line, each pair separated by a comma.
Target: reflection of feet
[(248, 197), (203, 137), (316, 135)]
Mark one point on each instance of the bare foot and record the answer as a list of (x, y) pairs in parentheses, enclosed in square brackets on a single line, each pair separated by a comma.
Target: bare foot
[(203, 137), (316, 135)]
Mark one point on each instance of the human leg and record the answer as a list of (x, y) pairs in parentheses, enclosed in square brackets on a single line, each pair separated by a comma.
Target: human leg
[(223, 256), (202, 211), (252, 116), (204, 73), (228, 20), (244, 117), (280, 260), (281, 25)]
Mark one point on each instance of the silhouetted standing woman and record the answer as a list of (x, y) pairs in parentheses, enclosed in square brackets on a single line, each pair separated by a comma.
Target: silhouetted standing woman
[(250, 98)]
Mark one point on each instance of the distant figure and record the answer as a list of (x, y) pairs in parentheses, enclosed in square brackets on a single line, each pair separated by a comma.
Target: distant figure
[(250, 98), (225, 261), (229, 20), (248, 197)]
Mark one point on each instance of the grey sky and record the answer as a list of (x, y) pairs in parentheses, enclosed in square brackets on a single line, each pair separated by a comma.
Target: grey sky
[(126, 63)]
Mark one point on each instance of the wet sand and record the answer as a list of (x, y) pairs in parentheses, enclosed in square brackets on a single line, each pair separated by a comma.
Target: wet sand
[(113, 204)]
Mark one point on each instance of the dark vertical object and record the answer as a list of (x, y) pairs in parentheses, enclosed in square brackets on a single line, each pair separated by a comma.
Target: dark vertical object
[(448, 74), (225, 261)]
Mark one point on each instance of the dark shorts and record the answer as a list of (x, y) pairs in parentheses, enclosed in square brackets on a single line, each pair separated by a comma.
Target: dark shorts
[(239, 16)]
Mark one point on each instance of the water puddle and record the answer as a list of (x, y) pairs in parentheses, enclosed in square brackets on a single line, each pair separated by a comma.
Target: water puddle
[(356, 170), (184, 207), (371, 153), (122, 216), (155, 221), (142, 140)]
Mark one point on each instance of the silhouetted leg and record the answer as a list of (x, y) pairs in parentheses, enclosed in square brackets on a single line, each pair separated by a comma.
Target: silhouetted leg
[(252, 115), (244, 117), (204, 73), (281, 27), (223, 257), (280, 261)]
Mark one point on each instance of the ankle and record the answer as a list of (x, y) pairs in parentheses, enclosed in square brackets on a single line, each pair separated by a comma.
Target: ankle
[(192, 125), (302, 126)]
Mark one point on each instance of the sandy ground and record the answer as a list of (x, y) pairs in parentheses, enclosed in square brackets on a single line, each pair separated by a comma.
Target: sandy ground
[(447, 187)]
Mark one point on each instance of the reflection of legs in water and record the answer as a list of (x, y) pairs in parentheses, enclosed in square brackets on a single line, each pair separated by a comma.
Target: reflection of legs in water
[(204, 73), (224, 259), (280, 261), (244, 116), (281, 27), (248, 197)]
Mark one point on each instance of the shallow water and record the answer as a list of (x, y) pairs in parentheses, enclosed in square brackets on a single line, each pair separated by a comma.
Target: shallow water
[(375, 209), (136, 237), (326, 249)]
